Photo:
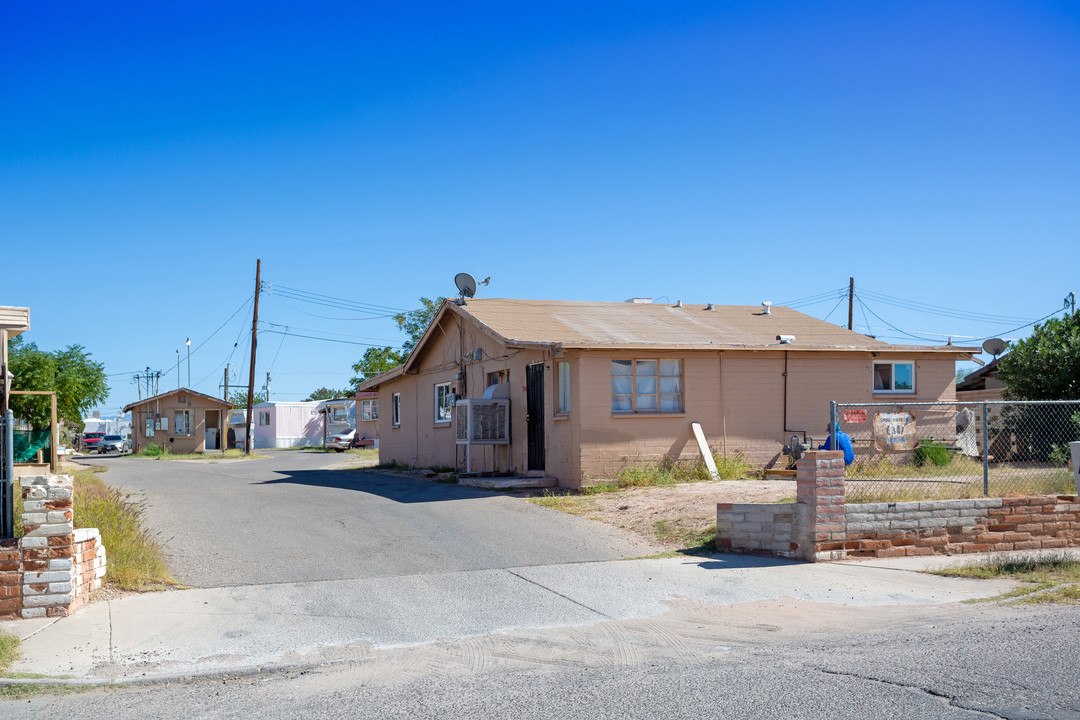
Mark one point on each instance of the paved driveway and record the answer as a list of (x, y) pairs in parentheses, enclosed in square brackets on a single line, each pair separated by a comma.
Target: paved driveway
[(292, 518)]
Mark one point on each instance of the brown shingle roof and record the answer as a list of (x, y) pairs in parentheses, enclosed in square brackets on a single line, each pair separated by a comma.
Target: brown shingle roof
[(574, 324)]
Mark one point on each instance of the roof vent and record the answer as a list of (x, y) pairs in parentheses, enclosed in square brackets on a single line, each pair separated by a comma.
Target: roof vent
[(766, 308), (678, 303), (785, 339), (709, 306), (640, 301)]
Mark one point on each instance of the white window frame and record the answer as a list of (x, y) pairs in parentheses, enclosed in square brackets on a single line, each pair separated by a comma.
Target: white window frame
[(892, 377), (395, 414), (633, 395), (339, 414), (369, 409), (189, 423), (563, 381), (442, 405)]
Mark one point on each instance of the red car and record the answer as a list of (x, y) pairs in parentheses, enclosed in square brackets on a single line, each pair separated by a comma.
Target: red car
[(91, 441)]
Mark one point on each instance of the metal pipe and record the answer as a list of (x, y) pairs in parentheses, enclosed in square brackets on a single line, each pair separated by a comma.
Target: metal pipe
[(8, 509), (832, 424), (986, 448)]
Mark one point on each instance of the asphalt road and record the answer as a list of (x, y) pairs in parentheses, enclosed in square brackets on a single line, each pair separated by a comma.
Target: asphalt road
[(1019, 663), (289, 518)]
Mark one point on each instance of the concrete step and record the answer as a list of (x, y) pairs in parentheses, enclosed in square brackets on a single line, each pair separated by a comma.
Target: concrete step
[(509, 483)]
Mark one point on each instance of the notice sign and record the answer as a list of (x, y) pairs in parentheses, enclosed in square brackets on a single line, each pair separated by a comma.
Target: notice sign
[(854, 415), (895, 432)]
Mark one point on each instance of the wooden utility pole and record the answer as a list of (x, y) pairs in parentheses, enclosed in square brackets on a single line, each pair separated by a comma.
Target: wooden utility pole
[(225, 395), (850, 301), (267, 386), (228, 421), (251, 367)]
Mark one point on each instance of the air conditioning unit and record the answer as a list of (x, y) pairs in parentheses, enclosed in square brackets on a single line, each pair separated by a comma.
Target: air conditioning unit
[(482, 422)]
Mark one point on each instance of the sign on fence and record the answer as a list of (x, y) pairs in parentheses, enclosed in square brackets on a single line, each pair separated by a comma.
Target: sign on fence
[(854, 415), (895, 431)]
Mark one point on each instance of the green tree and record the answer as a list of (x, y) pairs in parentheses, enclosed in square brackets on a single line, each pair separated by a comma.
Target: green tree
[(1045, 366), (78, 381), (378, 360), (240, 397), (325, 393)]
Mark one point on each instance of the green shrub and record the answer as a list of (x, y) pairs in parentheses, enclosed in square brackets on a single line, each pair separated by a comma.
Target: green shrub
[(930, 452), (151, 451)]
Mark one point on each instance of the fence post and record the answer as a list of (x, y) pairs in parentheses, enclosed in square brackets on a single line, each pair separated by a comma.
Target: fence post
[(832, 425), (986, 448), (7, 479)]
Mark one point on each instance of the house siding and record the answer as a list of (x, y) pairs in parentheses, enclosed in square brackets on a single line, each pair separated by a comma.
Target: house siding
[(738, 396), (164, 407)]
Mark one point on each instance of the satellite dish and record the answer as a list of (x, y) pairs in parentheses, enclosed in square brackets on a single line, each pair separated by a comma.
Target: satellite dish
[(994, 346), (466, 284)]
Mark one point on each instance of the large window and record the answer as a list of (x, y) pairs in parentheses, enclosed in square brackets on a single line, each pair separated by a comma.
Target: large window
[(369, 409), (894, 377), (395, 404), (564, 386), (183, 424), (646, 386), (442, 403)]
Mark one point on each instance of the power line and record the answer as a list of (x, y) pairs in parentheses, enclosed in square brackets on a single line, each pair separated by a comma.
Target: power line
[(903, 332), (312, 337), (327, 317), (271, 288), (927, 308)]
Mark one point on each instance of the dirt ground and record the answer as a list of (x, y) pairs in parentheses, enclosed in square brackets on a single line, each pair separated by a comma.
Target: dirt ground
[(671, 517)]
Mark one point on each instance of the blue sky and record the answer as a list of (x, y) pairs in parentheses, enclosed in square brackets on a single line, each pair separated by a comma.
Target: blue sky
[(727, 152)]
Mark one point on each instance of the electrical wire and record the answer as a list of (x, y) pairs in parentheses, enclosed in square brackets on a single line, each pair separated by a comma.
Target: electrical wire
[(1007, 332), (927, 308), (834, 308), (902, 332), (343, 301), (328, 317), (312, 337)]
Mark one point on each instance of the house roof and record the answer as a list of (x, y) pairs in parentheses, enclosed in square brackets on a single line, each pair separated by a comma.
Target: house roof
[(211, 398), (572, 324), (977, 380), (16, 320)]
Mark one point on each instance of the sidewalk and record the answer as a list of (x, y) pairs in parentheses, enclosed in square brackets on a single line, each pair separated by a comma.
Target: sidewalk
[(188, 633)]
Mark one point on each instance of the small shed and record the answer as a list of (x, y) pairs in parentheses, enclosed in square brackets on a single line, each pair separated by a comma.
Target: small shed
[(182, 420), (287, 424)]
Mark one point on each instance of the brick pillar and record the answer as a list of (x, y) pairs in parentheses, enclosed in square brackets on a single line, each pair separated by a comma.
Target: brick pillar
[(10, 579), (47, 545), (820, 533)]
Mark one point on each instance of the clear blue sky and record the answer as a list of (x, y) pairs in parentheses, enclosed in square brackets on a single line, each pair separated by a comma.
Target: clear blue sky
[(726, 152)]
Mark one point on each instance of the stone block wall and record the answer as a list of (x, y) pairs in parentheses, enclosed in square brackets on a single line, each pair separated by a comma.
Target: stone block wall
[(53, 568), (962, 526), (806, 529), (756, 527), (820, 526)]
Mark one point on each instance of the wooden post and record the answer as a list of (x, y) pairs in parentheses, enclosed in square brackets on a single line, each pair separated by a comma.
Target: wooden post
[(55, 436), (251, 368), (851, 301)]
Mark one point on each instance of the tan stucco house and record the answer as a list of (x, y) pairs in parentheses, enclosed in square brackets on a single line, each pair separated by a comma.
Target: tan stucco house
[(185, 421), (591, 387)]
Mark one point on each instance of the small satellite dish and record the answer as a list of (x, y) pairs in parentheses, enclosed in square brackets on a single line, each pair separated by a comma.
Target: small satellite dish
[(994, 346), (466, 284)]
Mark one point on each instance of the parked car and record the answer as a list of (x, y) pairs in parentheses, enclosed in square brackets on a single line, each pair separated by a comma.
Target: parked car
[(91, 442), (340, 441), (115, 443)]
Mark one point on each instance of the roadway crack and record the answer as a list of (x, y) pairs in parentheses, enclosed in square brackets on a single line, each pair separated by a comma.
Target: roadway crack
[(953, 701), (564, 597)]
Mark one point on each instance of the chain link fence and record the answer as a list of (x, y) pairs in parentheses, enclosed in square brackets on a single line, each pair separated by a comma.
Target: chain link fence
[(940, 450)]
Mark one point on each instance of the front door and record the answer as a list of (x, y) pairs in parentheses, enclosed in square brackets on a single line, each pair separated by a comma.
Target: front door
[(212, 429), (534, 414)]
